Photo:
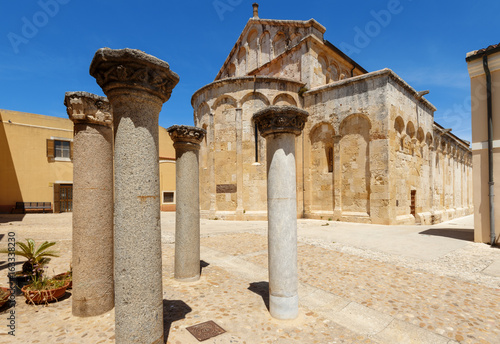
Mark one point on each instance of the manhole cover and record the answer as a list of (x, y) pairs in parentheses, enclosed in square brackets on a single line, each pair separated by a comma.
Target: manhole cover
[(205, 330)]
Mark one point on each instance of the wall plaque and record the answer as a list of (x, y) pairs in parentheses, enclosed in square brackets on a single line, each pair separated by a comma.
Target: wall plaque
[(226, 188)]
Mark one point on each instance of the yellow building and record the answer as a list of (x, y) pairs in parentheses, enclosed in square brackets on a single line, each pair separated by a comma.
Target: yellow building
[(36, 163), (484, 72)]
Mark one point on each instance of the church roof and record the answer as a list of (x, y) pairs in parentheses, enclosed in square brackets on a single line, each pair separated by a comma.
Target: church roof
[(310, 27)]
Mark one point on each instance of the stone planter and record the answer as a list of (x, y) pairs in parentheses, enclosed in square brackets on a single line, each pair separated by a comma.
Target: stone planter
[(44, 296)]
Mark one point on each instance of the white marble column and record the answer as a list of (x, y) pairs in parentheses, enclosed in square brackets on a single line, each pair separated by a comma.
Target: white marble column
[(92, 257), (279, 125), (187, 214), (137, 84)]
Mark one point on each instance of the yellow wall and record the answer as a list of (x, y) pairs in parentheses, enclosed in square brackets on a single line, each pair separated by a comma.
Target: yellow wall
[(479, 144), (167, 167), (27, 175)]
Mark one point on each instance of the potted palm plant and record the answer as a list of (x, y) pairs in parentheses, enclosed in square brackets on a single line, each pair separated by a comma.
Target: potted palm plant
[(37, 257), (31, 281)]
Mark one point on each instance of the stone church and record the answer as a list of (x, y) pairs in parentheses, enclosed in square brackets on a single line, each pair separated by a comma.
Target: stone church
[(370, 151)]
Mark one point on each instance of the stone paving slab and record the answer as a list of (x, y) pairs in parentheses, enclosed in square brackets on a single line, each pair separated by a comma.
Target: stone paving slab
[(493, 269)]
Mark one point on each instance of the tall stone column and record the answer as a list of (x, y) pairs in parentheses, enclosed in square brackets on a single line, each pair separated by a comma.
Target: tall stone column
[(92, 260), (279, 125), (187, 214), (137, 84), (337, 178)]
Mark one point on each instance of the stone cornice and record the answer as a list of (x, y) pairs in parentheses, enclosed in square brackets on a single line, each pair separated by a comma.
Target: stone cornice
[(186, 134), (132, 69), (280, 119), (84, 107), (243, 79), (372, 75)]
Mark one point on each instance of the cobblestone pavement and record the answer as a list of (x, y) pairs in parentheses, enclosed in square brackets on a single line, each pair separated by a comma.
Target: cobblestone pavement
[(347, 295)]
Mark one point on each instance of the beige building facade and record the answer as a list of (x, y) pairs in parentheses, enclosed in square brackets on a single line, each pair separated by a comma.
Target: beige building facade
[(36, 162), (481, 63), (370, 151)]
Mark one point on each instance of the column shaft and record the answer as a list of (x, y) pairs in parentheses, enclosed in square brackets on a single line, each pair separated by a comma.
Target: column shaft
[(137, 84), (138, 266), (187, 221), (92, 220), (92, 257), (282, 224), (280, 125)]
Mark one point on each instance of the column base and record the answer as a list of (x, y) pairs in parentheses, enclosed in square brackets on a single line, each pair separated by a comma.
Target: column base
[(284, 308), (188, 279)]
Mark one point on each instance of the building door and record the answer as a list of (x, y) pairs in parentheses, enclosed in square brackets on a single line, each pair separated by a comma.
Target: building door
[(413, 195), (63, 198)]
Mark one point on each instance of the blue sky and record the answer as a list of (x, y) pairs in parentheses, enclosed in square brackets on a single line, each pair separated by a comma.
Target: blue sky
[(46, 46)]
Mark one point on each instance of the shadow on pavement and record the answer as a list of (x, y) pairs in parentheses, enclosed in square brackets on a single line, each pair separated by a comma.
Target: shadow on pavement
[(4, 264), (453, 233), (173, 310), (203, 264), (262, 289), (4, 218)]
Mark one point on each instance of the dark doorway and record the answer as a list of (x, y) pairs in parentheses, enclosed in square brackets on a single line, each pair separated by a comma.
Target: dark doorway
[(63, 198), (413, 195)]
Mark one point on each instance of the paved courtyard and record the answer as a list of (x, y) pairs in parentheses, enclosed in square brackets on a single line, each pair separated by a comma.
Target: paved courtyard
[(358, 284)]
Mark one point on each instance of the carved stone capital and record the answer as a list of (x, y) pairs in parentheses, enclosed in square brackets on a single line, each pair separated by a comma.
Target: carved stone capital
[(119, 70), (280, 119), (84, 107), (184, 136)]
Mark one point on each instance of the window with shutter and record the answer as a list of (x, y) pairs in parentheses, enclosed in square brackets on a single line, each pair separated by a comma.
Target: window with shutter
[(59, 149), (50, 148)]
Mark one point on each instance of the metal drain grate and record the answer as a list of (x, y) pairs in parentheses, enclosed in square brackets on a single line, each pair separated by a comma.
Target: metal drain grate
[(205, 330)]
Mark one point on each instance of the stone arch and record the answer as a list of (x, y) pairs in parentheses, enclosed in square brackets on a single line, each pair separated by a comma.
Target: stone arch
[(279, 43), (223, 149), (344, 74), (284, 99), (355, 164), (333, 70), (399, 125), (428, 139), (420, 135), (323, 75), (321, 168), (410, 129), (265, 47), (252, 58), (254, 96), (231, 71), (242, 61), (202, 110), (224, 99)]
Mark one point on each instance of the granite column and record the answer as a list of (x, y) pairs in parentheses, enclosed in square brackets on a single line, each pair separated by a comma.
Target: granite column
[(279, 125), (92, 261), (187, 214), (137, 84)]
